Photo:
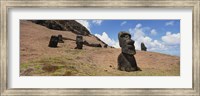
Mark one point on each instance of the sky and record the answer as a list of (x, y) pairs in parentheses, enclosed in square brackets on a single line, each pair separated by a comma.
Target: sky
[(161, 36)]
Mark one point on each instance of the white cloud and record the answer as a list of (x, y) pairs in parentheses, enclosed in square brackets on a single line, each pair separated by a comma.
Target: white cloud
[(153, 32), (171, 39), (169, 44), (85, 23), (124, 22), (138, 26), (105, 38), (139, 36), (170, 23), (97, 22), (116, 44)]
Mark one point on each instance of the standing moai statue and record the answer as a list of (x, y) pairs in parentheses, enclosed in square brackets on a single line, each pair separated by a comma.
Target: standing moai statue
[(126, 60), (143, 47), (105, 46), (79, 42), (53, 41), (60, 39)]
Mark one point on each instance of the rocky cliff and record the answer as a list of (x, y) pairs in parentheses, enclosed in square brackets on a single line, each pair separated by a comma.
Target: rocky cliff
[(64, 25)]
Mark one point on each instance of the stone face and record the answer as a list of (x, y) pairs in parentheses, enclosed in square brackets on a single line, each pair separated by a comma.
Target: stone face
[(143, 47), (64, 25), (126, 60), (105, 46), (53, 41), (79, 42), (126, 43), (60, 39)]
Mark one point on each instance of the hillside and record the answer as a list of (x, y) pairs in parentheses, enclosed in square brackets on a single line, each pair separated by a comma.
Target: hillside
[(37, 59)]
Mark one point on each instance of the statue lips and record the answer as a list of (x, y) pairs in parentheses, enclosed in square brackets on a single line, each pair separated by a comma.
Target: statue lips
[(130, 42), (131, 47)]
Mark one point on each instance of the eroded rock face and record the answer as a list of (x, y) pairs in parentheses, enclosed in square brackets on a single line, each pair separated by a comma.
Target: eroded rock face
[(53, 41), (79, 42), (126, 60), (143, 47), (64, 25)]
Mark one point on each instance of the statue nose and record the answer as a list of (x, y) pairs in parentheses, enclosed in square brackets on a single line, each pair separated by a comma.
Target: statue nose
[(130, 42)]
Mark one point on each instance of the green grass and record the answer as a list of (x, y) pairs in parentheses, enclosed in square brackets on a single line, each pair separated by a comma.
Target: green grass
[(74, 63), (65, 66)]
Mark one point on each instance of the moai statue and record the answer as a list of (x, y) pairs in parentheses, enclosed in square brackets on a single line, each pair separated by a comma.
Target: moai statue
[(86, 43), (53, 41), (95, 45), (79, 42), (106, 45), (143, 47), (126, 60), (60, 39)]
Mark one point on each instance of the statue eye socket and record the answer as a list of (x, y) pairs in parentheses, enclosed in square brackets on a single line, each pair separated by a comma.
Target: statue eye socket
[(126, 36)]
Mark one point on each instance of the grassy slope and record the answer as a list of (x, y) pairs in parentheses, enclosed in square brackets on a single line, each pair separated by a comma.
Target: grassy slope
[(38, 59)]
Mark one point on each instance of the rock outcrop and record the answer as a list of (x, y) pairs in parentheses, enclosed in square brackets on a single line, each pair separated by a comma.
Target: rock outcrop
[(64, 25)]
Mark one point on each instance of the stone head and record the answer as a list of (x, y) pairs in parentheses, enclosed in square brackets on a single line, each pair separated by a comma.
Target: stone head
[(126, 43), (79, 38)]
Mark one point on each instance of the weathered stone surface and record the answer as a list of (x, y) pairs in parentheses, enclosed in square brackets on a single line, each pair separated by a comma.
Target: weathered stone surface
[(79, 42), (126, 44), (92, 44), (105, 46), (64, 25), (86, 43), (143, 47), (126, 60), (60, 39), (53, 41)]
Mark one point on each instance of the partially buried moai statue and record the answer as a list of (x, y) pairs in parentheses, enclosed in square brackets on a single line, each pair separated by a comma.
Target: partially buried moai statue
[(79, 42), (143, 47), (126, 60), (105, 45), (53, 41), (60, 39)]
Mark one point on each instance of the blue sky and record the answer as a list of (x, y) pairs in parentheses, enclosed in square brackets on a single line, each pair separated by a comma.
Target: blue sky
[(161, 36)]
